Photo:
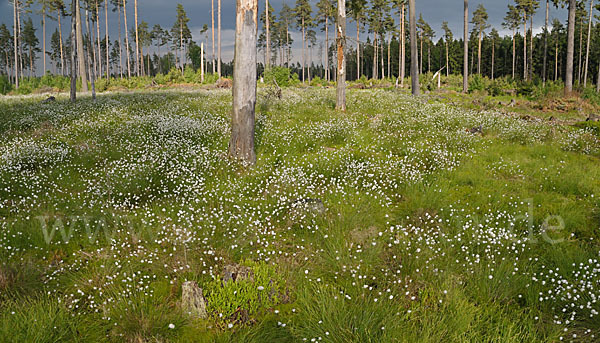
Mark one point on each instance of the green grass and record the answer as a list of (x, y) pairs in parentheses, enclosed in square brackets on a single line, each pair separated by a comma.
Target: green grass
[(430, 233)]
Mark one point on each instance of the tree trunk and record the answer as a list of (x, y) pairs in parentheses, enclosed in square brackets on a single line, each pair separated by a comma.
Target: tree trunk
[(580, 49), (556, 61), (212, 20), (80, 52), (357, 49), (479, 53), (587, 53), (241, 145), (62, 59), (138, 64), (402, 47), (421, 56), (341, 57), (107, 40), (126, 40), (447, 60), (202, 62), (219, 39), (598, 82), (466, 48), (570, 47), (514, 54), (544, 68), (268, 46), (525, 48), (120, 44), (493, 56), (327, 49), (91, 47), (98, 40), (414, 68), (303, 51), (44, 37), (530, 63), (15, 35), (73, 92), (389, 68)]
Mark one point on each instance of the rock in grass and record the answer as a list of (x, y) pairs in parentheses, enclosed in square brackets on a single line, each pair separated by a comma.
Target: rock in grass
[(192, 300), (49, 100), (307, 205), (593, 117), (235, 272)]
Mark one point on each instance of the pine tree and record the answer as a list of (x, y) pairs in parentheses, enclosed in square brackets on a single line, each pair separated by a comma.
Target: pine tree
[(448, 38), (303, 13), (325, 12), (480, 18)]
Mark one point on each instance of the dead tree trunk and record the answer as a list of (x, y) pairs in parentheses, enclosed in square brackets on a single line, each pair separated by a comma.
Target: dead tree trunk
[(587, 53), (570, 47), (341, 59), (544, 68), (414, 68), (15, 35), (402, 48), (80, 54), (126, 39), (466, 49), (241, 145), (73, 50), (107, 40)]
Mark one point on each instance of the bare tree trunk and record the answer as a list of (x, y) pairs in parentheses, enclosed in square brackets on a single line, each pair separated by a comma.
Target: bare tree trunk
[(479, 53), (587, 54), (15, 35), (466, 49), (202, 62), (525, 48), (357, 49), (120, 44), (389, 68), (73, 93), (341, 58), (493, 55), (544, 68), (212, 20), (303, 51), (421, 56), (138, 63), (447, 60), (62, 59), (98, 40), (126, 40), (580, 49), (80, 52), (570, 47), (219, 40), (107, 40), (327, 49), (598, 82), (268, 46), (241, 145), (514, 55), (556, 61), (91, 47), (402, 47), (530, 64), (44, 37), (414, 68)]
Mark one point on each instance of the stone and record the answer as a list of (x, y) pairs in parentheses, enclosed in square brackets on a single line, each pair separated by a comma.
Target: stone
[(49, 100), (192, 300), (476, 130)]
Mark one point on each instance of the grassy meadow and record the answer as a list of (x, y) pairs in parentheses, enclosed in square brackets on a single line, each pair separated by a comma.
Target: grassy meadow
[(426, 229)]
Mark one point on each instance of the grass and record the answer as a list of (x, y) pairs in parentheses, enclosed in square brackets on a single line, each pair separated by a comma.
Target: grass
[(429, 233)]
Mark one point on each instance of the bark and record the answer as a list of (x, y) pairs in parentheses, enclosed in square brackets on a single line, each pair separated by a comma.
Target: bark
[(212, 20), (530, 64), (201, 62), (120, 45), (580, 49), (598, 82), (44, 37), (466, 49), (341, 59), (62, 59), (303, 52), (389, 68), (479, 53), (556, 61), (357, 49), (514, 55), (327, 48), (268, 46), (241, 145), (525, 48), (15, 35), (98, 41), (587, 53), (80, 53), (219, 39), (402, 47), (73, 92), (107, 40), (91, 47), (493, 55), (544, 68), (570, 47), (138, 63), (414, 68), (126, 40)]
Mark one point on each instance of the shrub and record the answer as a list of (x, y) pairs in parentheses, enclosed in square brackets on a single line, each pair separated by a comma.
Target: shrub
[(477, 83), (189, 75), (5, 85), (279, 74), (174, 76)]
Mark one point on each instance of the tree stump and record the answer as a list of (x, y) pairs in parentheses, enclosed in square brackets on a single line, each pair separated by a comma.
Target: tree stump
[(192, 300)]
